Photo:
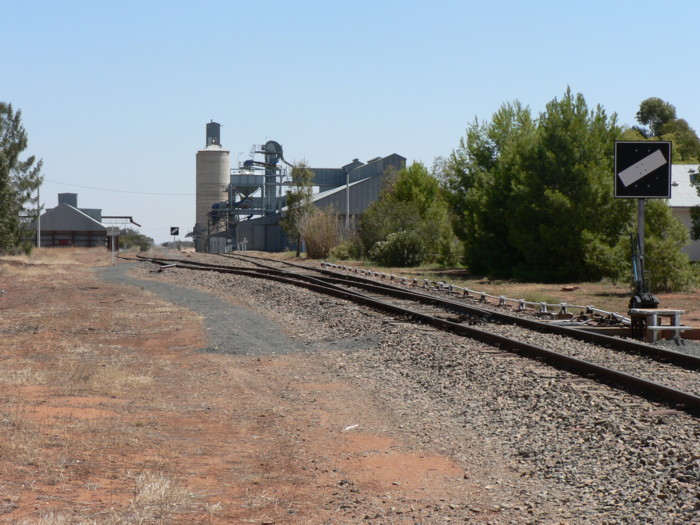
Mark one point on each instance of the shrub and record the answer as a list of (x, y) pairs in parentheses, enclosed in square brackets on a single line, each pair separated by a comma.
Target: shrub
[(450, 251), (321, 232), (403, 248), (346, 250)]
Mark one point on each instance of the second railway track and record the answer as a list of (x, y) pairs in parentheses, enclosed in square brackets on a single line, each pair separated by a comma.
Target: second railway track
[(649, 371)]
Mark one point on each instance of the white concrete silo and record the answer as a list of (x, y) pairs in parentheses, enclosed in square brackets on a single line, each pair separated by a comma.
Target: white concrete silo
[(213, 174)]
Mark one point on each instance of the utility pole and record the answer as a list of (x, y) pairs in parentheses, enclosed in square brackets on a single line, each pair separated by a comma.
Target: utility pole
[(38, 216), (347, 202)]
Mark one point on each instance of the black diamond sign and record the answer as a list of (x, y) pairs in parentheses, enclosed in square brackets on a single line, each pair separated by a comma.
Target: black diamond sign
[(643, 170)]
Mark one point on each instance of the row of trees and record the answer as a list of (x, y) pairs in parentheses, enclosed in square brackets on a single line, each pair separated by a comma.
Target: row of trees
[(526, 197), (533, 197), (522, 196), (406, 226), (128, 237)]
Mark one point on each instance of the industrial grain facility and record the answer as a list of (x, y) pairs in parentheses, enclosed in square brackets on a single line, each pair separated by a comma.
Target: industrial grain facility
[(243, 206)]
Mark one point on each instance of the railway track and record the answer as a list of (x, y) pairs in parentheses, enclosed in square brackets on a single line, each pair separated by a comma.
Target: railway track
[(651, 372)]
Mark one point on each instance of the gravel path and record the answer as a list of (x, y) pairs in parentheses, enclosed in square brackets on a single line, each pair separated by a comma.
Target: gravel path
[(230, 329)]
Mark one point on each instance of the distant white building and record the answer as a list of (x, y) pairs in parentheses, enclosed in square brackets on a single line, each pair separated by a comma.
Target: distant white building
[(683, 197)]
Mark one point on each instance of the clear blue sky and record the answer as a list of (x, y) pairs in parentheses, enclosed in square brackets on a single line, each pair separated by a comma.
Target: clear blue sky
[(116, 95)]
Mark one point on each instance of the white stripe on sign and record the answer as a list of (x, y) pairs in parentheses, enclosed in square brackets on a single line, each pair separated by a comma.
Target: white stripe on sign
[(639, 169)]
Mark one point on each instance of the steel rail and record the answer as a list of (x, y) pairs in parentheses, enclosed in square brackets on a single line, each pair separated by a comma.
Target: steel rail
[(639, 386), (442, 285), (625, 345), (687, 361)]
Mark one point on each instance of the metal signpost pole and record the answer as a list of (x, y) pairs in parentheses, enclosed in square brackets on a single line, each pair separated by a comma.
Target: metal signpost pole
[(642, 171), (174, 231), (640, 226), (113, 234)]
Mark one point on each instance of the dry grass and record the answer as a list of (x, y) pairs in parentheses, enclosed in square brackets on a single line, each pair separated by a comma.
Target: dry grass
[(22, 372), (60, 256), (67, 403), (156, 498), (60, 519), (21, 438), (321, 231), (102, 371), (156, 494), (46, 261), (50, 438)]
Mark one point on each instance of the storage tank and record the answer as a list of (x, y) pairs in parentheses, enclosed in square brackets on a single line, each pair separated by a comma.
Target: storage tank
[(246, 182), (213, 133), (213, 172)]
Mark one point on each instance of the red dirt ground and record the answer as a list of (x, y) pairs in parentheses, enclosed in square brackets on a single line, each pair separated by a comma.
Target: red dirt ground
[(108, 413)]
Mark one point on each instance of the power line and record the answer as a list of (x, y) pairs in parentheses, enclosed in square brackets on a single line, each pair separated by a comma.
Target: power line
[(115, 191)]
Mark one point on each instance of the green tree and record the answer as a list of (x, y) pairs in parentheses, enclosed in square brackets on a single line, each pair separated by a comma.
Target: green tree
[(686, 144), (655, 113), (18, 178), (533, 199), (667, 268), (299, 202), (563, 201), (480, 182), (130, 237), (410, 221), (662, 124)]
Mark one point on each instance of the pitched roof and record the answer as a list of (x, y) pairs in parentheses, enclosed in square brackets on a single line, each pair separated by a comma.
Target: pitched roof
[(65, 217)]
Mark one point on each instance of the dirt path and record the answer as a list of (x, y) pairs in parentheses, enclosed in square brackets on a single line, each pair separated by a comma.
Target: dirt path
[(108, 412)]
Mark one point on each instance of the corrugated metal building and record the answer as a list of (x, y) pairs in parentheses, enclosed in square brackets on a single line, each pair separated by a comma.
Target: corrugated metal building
[(352, 187), (365, 182), (264, 234), (68, 225)]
